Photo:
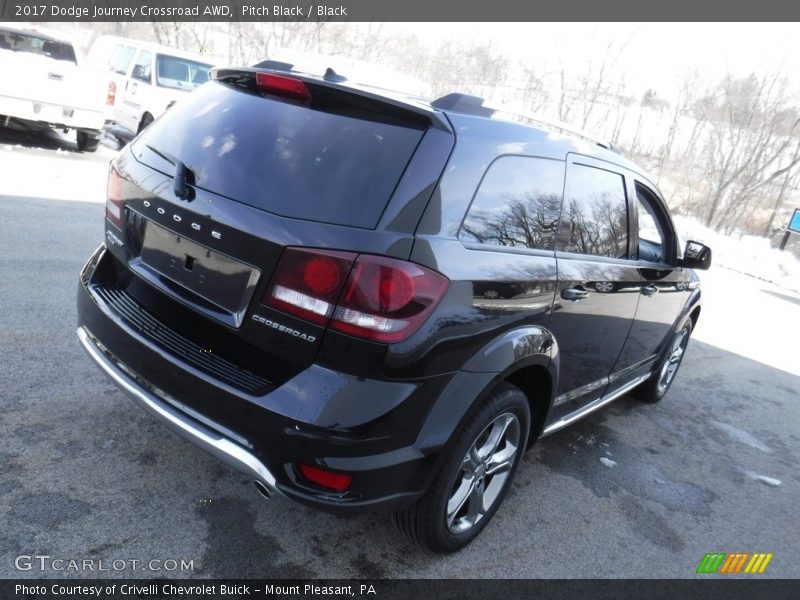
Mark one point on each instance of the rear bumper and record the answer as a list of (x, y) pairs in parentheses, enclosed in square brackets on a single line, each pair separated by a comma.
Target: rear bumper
[(47, 113), (205, 436), (266, 436)]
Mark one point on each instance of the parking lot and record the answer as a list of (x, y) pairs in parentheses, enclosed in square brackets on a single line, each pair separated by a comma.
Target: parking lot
[(84, 474)]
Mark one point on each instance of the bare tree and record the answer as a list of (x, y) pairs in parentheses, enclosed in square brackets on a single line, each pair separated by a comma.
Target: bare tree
[(751, 129), (729, 150)]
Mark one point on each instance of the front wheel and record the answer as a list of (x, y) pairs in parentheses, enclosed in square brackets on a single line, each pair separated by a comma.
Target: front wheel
[(656, 387), (475, 477)]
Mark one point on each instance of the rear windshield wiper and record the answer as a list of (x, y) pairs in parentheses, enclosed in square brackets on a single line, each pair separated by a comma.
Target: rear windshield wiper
[(180, 182)]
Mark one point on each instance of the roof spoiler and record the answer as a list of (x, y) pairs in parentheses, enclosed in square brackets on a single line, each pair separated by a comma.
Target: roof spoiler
[(285, 67), (328, 93)]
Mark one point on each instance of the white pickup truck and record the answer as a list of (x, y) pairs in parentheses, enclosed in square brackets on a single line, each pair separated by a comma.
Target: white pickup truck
[(43, 86)]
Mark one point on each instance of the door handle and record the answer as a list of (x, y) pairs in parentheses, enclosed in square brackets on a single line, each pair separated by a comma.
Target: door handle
[(649, 290), (574, 294)]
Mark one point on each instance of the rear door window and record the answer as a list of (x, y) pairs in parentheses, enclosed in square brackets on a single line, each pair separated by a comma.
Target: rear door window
[(517, 204), (282, 157), (595, 216)]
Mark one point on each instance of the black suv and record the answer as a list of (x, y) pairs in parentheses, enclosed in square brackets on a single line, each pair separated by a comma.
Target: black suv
[(367, 301)]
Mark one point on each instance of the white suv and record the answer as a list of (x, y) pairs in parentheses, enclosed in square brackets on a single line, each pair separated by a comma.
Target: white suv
[(144, 79)]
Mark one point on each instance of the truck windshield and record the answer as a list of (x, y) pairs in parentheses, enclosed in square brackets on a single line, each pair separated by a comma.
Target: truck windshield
[(180, 73), (18, 41)]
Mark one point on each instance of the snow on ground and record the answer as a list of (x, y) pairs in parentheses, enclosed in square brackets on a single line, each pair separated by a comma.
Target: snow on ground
[(748, 254), (53, 170), (770, 481), (742, 436)]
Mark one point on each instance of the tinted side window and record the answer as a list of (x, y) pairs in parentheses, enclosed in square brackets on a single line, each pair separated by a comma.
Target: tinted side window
[(595, 217), (517, 204)]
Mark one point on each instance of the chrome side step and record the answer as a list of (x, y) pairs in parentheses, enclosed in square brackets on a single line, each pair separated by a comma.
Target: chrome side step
[(593, 406)]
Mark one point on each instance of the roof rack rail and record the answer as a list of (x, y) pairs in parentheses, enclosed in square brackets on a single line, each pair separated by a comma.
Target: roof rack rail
[(542, 121), (474, 105)]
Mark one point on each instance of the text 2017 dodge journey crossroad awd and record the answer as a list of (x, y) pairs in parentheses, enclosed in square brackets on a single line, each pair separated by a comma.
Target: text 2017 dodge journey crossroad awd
[(366, 301)]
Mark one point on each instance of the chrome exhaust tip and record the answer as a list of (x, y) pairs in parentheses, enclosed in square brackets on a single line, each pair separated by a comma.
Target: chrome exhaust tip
[(263, 489)]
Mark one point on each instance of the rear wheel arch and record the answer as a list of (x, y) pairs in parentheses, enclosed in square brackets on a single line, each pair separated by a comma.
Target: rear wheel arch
[(526, 358), (502, 361), (536, 382)]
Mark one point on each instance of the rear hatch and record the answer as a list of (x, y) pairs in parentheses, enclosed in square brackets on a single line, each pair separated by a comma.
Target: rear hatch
[(212, 193)]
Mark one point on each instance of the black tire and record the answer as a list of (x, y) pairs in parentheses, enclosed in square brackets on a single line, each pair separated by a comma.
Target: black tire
[(87, 142), (655, 388), (426, 521), (147, 118)]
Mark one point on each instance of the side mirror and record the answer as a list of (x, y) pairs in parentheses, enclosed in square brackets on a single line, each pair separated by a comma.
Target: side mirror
[(696, 256)]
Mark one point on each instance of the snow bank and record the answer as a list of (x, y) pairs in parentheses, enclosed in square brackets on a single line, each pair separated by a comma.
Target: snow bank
[(747, 254)]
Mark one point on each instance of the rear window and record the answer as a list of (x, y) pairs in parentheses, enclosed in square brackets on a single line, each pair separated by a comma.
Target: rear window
[(33, 44), (281, 157)]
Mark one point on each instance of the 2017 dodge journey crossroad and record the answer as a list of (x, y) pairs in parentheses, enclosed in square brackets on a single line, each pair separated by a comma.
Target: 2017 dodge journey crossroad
[(372, 302)]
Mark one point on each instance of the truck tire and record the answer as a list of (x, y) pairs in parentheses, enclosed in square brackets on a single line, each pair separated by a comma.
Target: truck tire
[(87, 142)]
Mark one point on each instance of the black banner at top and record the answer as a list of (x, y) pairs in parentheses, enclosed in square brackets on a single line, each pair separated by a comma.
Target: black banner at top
[(397, 10)]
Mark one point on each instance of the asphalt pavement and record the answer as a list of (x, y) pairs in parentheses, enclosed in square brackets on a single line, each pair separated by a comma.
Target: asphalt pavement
[(85, 475)]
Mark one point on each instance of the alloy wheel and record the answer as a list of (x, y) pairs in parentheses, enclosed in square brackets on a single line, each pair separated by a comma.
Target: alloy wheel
[(604, 286), (673, 361), (483, 473)]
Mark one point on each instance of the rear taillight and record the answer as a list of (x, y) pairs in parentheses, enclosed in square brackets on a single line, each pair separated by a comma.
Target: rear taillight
[(114, 206), (386, 299), (111, 94), (279, 85), (372, 297), (307, 283)]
